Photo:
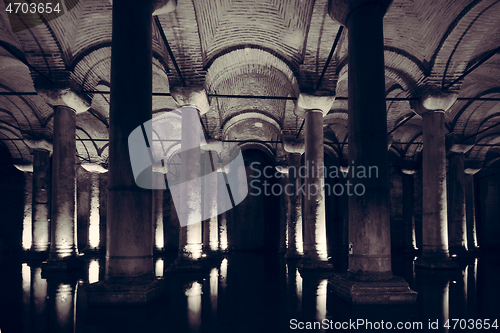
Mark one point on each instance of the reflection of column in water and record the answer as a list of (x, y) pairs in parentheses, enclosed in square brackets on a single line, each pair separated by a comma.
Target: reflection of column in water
[(471, 284), (434, 293), (214, 288), (39, 299), (26, 276), (321, 300), (223, 273), (93, 270), (314, 296), (294, 285), (458, 295), (159, 264), (193, 294), (62, 307)]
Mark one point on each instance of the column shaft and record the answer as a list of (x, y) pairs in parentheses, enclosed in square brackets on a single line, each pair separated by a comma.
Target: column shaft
[(315, 249), (190, 236), (434, 213), (129, 246), (283, 216), (94, 239), (470, 212), (62, 225), (456, 211), (28, 210), (41, 190), (369, 215), (294, 208), (408, 216), (158, 219), (210, 224)]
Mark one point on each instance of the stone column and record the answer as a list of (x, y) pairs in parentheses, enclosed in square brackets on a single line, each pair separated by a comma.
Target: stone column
[(210, 223), (470, 212), (456, 204), (63, 249), (157, 207), (313, 108), (408, 216), (94, 240), (62, 223), (41, 195), (27, 170), (222, 218), (435, 254), (294, 201), (283, 211), (129, 248), (369, 277), (193, 102)]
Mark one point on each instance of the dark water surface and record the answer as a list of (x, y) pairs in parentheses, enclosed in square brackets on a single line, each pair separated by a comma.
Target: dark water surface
[(250, 293)]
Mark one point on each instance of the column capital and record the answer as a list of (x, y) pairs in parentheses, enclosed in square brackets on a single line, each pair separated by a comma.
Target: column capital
[(24, 167), (195, 96), (455, 144), (94, 168), (39, 144), (293, 146), (434, 101), (61, 96), (164, 6), (321, 100), (161, 6), (472, 167), (340, 10)]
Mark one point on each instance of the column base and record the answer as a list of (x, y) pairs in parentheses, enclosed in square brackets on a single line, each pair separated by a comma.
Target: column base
[(314, 265), (391, 291), (125, 291), (70, 263), (429, 262), (186, 265), (293, 255), (35, 255)]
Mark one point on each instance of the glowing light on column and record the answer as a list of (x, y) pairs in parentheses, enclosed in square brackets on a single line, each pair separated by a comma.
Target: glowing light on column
[(27, 238), (159, 267), (321, 300), (94, 219), (194, 306), (93, 271)]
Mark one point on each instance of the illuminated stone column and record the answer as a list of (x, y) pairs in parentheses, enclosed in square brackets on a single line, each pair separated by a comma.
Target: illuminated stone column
[(456, 212), (408, 216), (210, 225), (470, 211), (194, 103), (129, 248), (27, 170), (94, 224), (63, 249), (222, 218), (159, 237), (313, 108), (435, 254), (282, 247), (369, 278), (294, 201), (41, 194)]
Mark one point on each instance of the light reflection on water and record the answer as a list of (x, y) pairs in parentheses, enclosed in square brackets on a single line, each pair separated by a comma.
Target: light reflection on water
[(246, 291)]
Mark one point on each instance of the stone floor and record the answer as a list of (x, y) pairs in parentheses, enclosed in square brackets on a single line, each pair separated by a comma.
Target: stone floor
[(245, 293)]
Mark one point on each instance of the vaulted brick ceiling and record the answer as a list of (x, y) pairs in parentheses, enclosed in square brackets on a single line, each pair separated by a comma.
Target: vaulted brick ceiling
[(260, 48)]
